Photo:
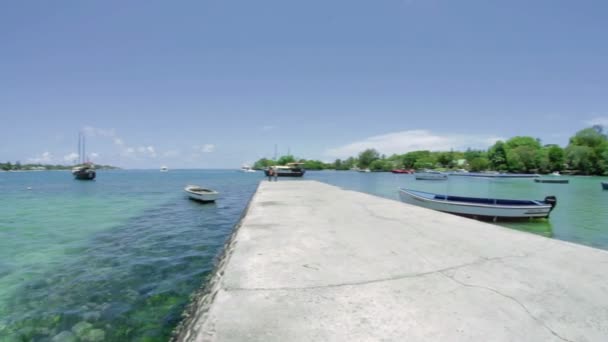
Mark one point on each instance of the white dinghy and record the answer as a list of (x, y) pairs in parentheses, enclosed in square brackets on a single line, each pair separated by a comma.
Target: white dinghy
[(197, 193)]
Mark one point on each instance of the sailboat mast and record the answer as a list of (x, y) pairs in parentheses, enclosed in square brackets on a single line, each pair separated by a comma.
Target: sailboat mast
[(84, 158), (79, 146)]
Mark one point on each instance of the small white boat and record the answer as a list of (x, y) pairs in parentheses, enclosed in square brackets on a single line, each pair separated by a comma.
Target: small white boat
[(430, 175), (197, 193), (247, 168), (365, 170), (164, 168), (483, 208), (555, 173)]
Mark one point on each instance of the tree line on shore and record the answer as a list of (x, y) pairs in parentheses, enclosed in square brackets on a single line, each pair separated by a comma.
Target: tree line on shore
[(586, 153), (17, 166)]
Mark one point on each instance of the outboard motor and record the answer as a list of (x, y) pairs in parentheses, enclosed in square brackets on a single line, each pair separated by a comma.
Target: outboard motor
[(552, 200)]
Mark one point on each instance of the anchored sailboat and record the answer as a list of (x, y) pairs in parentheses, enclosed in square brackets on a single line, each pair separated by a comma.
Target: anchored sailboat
[(86, 170)]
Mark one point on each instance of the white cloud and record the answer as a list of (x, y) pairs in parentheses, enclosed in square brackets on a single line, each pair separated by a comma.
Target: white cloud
[(602, 121), (94, 155), (140, 151), (171, 153), (71, 157), (207, 148), (94, 131), (45, 157), (407, 141), (118, 141)]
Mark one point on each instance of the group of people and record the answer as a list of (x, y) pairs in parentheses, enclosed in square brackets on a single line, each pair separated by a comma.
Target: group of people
[(272, 173)]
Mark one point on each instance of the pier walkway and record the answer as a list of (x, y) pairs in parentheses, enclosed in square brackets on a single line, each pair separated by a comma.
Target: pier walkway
[(312, 262)]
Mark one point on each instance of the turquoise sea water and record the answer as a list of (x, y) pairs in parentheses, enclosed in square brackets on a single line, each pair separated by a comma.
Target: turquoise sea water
[(117, 259)]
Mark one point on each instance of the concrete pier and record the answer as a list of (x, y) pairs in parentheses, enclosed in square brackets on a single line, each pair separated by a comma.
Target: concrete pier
[(312, 262)]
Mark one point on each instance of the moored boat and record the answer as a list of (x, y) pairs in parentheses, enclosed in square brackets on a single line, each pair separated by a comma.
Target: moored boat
[(430, 175), (483, 208), (164, 169), (200, 194), (289, 170), (402, 171), (84, 172), (495, 175), (86, 169), (552, 181), (247, 168), (605, 185)]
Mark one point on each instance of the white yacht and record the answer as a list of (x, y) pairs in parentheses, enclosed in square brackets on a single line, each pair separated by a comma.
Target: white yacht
[(247, 168)]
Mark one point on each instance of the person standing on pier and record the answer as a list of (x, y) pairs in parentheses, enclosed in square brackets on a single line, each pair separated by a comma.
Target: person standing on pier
[(270, 173)]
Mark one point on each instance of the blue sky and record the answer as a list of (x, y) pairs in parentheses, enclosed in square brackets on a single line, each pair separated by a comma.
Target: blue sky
[(218, 83)]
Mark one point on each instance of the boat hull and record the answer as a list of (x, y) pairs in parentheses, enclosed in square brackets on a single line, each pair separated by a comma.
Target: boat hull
[(477, 210), (205, 197), (552, 181), (431, 176), (495, 175), (605, 185), (285, 173), (84, 175)]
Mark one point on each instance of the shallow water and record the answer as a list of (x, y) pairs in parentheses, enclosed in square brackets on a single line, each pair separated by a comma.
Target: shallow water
[(117, 259), (122, 253), (581, 214)]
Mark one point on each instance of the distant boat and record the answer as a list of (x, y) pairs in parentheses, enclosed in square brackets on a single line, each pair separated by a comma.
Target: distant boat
[(484, 208), (247, 168), (289, 170), (555, 173), (553, 181), (365, 170), (84, 172), (402, 171), (605, 185), (164, 169), (197, 193), (431, 175)]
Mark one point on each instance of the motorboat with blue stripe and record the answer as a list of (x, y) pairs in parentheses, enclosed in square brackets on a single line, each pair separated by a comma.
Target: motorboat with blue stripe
[(482, 208)]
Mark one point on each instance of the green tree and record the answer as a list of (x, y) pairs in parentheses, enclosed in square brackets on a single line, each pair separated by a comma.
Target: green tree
[(479, 164), (470, 154), (556, 158), (264, 163), (591, 137), (314, 165), (367, 157), (425, 162), (284, 160), (445, 159), (581, 158), (523, 141), (409, 159), (497, 155), (590, 159), (381, 165)]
